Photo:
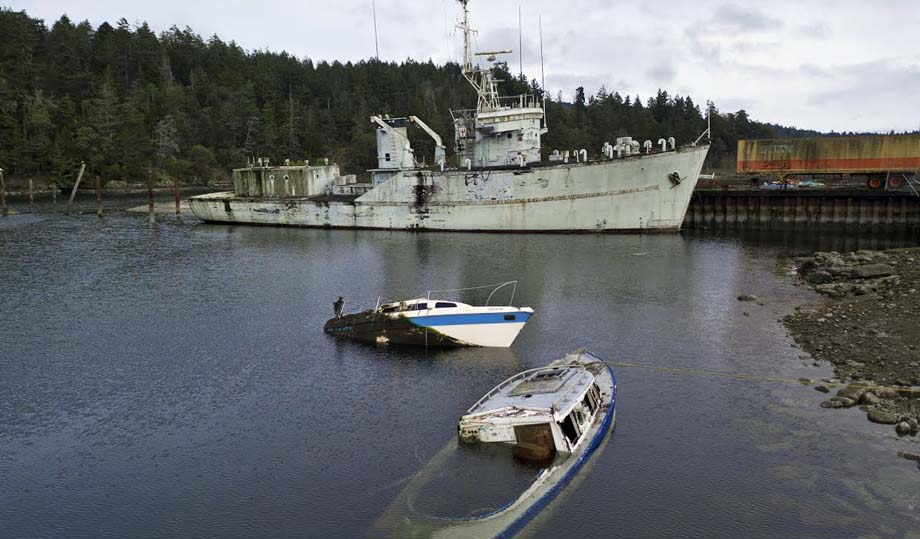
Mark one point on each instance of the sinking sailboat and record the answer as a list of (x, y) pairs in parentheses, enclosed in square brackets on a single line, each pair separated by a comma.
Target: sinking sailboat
[(428, 321), (517, 448)]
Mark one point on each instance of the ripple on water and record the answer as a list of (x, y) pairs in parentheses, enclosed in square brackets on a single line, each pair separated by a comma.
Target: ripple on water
[(175, 381)]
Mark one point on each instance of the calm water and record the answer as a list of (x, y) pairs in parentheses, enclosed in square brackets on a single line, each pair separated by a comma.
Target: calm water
[(175, 382)]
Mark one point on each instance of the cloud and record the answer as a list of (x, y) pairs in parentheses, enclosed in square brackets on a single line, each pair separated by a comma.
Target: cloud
[(813, 31), (736, 18), (873, 85), (662, 73), (793, 62)]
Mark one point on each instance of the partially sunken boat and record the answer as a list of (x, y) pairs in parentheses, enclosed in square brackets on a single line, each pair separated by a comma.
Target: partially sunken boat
[(517, 449), (433, 322), (498, 179)]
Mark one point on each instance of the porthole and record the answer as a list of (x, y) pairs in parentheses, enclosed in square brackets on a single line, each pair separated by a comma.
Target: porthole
[(271, 177), (286, 177)]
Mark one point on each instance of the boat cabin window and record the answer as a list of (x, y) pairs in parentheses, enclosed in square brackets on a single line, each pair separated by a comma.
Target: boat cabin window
[(444, 305), (570, 430), (589, 403), (389, 309), (592, 399), (419, 307)]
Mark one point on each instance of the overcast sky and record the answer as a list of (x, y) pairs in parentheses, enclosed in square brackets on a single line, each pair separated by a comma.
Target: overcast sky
[(844, 65)]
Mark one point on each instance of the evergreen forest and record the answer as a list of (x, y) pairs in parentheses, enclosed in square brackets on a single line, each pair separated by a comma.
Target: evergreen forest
[(127, 101)]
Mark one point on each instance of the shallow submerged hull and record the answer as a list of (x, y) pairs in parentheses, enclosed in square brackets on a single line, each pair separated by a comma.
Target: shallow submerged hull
[(497, 330), (406, 518), (633, 194)]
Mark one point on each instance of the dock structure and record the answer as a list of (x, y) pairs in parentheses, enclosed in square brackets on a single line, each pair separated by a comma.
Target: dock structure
[(803, 208), (853, 181)]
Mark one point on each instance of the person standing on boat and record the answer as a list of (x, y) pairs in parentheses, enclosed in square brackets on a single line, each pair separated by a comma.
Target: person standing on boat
[(339, 307)]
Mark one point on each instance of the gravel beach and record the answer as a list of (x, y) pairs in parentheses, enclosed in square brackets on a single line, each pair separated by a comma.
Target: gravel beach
[(868, 328)]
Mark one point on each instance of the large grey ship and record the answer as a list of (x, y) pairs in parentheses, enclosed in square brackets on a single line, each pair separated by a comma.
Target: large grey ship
[(497, 181)]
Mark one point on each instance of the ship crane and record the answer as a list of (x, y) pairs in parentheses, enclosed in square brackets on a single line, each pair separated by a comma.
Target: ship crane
[(440, 151)]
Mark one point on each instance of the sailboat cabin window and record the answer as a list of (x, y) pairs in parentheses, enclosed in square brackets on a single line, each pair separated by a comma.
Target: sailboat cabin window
[(445, 305)]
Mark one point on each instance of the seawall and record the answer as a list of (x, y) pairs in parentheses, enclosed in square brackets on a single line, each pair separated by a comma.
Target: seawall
[(800, 208)]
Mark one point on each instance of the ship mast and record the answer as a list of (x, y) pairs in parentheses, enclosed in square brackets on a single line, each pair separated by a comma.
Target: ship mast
[(468, 70), (481, 79)]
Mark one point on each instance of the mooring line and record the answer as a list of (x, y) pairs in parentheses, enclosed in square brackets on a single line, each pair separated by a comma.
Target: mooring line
[(758, 378)]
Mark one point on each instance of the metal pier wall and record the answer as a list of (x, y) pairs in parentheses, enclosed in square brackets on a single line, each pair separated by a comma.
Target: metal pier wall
[(803, 209)]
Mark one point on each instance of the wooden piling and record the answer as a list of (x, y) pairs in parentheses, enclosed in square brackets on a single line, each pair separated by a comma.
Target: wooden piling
[(152, 211), (98, 196), (31, 196), (176, 194), (3, 195), (73, 193)]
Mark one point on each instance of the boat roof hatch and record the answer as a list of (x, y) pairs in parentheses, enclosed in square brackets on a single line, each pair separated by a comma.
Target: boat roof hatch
[(553, 390), (543, 382)]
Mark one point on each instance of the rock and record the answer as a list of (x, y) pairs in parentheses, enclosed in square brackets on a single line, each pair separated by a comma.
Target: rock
[(819, 277), (886, 393), (747, 297), (861, 290), (882, 417), (909, 456), (852, 392), (871, 271), (831, 290), (823, 389), (902, 428), (839, 402), (869, 398), (807, 267)]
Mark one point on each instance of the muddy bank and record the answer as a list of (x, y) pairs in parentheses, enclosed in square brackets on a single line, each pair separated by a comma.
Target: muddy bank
[(868, 328)]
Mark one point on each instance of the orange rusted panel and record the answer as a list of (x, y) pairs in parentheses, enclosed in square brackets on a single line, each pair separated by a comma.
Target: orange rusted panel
[(831, 155)]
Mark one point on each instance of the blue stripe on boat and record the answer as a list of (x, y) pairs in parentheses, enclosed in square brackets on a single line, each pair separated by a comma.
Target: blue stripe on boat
[(538, 506), (467, 319)]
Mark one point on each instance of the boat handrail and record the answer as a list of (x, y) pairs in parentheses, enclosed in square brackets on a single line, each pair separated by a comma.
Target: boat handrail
[(495, 288), (518, 376), (381, 300)]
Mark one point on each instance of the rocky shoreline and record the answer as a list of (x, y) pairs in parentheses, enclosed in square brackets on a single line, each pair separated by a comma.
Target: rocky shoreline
[(868, 328)]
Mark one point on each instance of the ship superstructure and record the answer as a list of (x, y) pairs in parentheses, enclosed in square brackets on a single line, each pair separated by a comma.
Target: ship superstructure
[(497, 179), (499, 131)]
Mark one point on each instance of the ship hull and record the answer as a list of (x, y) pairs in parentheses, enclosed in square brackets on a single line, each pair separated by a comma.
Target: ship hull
[(634, 194)]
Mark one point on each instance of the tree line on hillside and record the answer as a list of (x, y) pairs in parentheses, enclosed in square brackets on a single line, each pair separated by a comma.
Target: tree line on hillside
[(126, 100)]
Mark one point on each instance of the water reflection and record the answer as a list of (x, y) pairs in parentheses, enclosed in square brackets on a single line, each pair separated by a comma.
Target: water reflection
[(175, 381)]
